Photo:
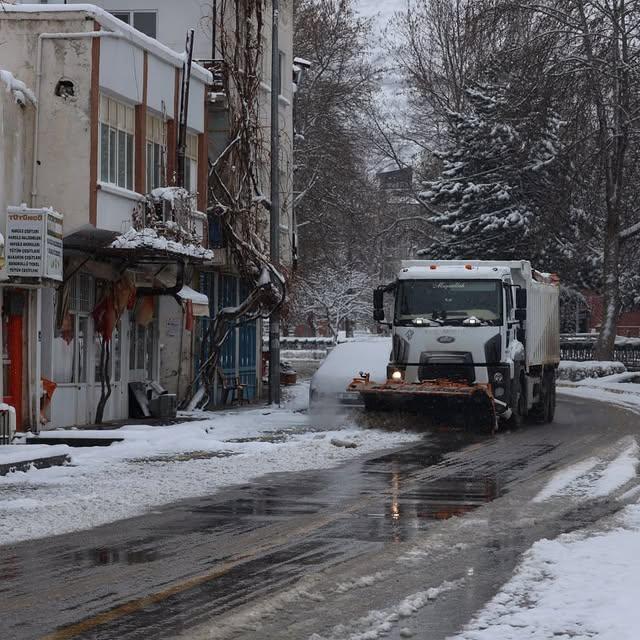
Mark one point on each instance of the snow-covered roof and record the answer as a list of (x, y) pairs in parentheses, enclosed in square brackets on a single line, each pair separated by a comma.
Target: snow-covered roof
[(108, 21), (19, 89), (150, 239), (187, 293)]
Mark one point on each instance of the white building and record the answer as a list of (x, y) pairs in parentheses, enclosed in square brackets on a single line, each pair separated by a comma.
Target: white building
[(97, 133)]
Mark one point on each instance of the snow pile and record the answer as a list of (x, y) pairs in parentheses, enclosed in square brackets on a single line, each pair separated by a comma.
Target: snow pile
[(159, 465), (574, 371), (581, 585), (150, 239), (21, 93), (594, 477)]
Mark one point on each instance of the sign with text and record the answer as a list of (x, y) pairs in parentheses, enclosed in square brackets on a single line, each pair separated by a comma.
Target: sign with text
[(34, 243)]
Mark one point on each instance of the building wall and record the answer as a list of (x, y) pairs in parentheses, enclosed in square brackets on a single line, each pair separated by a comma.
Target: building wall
[(65, 124)]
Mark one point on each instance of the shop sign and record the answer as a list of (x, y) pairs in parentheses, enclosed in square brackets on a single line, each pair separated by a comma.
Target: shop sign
[(34, 243)]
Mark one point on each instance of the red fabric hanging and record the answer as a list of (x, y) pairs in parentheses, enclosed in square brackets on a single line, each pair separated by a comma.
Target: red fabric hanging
[(188, 323)]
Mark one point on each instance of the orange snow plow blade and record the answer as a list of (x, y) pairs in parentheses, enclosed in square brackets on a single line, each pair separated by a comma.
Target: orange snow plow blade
[(442, 401)]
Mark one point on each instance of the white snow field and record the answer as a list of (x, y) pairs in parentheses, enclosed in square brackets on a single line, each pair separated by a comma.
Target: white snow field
[(158, 465), (578, 586)]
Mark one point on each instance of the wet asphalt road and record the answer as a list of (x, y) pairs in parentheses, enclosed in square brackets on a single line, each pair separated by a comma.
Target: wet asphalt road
[(284, 556)]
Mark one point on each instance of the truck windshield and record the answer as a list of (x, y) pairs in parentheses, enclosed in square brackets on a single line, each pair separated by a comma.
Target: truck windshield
[(448, 301)]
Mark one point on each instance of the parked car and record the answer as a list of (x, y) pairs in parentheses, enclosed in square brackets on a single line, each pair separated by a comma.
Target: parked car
[(328, 388)]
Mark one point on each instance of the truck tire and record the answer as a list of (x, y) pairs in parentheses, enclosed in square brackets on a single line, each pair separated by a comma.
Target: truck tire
[(544, 410), (518, 410), (552, 396)]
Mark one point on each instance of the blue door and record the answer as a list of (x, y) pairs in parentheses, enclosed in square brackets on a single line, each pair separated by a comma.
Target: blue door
[(228, 297), (247, 336)]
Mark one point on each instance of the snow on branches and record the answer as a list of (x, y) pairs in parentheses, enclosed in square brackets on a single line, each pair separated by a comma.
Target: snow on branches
[(494, 172), (333, 295)]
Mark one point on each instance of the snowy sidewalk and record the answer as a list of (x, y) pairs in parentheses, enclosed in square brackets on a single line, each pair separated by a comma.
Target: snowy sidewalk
[(619, 389), (157, 465), (583, 584)]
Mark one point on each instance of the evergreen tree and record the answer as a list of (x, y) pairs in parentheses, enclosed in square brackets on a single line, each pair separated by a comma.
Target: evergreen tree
[(497, 173)]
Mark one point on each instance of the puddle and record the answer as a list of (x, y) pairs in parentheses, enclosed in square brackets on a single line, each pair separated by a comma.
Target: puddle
[(280, 435), (187, 456)]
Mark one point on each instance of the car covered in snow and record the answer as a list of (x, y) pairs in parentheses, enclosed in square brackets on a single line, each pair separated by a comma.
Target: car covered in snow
[(345, 361)]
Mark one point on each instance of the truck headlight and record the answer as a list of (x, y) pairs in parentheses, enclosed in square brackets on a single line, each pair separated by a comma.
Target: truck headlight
[(498, 377), (396, 376)]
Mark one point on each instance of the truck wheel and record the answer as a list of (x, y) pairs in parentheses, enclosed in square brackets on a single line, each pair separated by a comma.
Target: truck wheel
[(518, 411), (540, 411), (544, 410), (552, 397)]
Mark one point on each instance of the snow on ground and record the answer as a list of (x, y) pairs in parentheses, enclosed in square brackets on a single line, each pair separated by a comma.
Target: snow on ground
[(594, 477), (580, 585), (158, 465), (378, 623), (618, 389)]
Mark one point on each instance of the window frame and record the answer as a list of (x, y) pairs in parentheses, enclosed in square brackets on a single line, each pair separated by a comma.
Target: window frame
[(117, 129), (156, 152), (191, 162), (131, 18)]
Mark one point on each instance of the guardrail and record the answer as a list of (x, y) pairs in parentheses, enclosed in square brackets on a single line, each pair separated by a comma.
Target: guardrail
[(579, 347), (5, 427)]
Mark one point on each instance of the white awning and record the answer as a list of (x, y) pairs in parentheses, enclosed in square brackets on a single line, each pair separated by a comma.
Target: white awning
[(199, 300)]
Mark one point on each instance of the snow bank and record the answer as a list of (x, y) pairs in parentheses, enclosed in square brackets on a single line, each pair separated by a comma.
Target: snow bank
[(347, 360), (378, 624), (581, 585), (594, 477), (574, 371), (160, 465)]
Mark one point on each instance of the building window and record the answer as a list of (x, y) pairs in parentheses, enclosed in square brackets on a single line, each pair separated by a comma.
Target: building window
[(71, 346), (156, 153), (191, 163), (116, 143), (144, 21)]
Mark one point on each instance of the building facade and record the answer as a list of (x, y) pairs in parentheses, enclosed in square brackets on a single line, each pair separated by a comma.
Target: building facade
[(214, 24), (98, 136)]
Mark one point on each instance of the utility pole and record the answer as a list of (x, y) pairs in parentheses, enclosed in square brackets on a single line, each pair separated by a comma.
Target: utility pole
[(274, 221), (184, 109)]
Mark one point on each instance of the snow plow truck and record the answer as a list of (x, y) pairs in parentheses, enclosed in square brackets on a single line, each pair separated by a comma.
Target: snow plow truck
[(474, 343)]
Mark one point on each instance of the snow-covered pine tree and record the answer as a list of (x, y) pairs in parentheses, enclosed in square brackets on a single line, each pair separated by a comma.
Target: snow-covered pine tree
[(496, 174)]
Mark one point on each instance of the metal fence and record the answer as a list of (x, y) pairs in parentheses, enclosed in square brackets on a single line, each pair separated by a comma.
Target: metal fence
[(5, 427), (580, 348)]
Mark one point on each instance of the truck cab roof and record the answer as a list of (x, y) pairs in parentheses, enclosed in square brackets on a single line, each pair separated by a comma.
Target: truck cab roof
[(440, 270)]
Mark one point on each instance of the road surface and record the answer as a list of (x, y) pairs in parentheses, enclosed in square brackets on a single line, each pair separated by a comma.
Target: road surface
[(293, 555)]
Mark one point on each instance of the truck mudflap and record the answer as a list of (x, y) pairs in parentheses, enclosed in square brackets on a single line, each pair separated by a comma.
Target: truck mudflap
[(442, 401)]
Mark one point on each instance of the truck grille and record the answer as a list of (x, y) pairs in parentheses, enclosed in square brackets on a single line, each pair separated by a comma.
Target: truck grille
[(452, 365)]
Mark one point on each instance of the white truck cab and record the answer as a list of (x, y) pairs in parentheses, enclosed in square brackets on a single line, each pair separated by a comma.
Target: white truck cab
[(482, 324)]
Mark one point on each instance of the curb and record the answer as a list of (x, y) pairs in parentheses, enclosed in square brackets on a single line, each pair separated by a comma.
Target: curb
[(38, 463)]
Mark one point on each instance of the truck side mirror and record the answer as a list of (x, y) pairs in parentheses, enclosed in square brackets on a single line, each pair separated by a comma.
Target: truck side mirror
[(521, 298), (521, 314), (378, 305)]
